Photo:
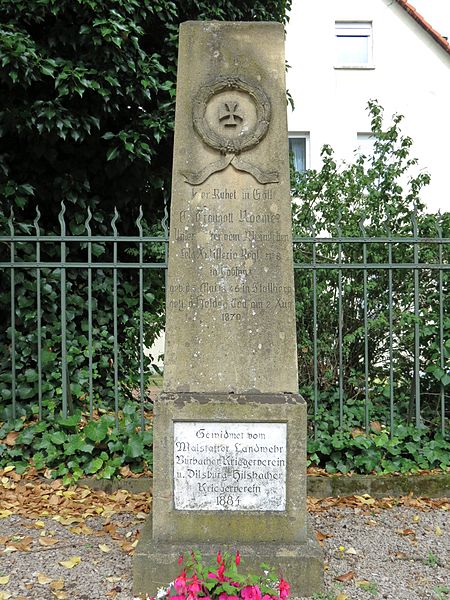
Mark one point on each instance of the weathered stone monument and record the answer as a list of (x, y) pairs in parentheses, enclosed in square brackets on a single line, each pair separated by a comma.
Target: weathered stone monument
[(229, 426)]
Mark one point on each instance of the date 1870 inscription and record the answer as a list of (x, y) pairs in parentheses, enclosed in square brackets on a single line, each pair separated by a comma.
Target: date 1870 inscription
[(230, 466), (231, 247)]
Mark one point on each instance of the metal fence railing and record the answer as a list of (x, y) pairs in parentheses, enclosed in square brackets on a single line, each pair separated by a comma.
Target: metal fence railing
[(102, 267), (373, 319), (374, 324)]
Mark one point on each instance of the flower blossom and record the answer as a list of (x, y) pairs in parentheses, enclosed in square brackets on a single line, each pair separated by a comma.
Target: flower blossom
[(284, 588), (194, 586), (219, 575), (180, 583), (225, 596), (251, 592)]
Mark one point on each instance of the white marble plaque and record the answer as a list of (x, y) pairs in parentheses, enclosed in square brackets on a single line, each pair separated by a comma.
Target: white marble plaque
[(230, 466)]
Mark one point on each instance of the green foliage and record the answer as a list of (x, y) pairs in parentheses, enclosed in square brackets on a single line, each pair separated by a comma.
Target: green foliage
[(368, 586), (72, 447), (432, 560), (214, 580), (88, 91), (375, 196), (101, 366), (352, 449), (442, 592)]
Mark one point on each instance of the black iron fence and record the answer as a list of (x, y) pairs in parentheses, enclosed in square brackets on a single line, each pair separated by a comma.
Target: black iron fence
[(373, 323)]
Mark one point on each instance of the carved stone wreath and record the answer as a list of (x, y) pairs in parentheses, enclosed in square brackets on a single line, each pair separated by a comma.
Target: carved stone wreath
[(231, 147), (221, 142)]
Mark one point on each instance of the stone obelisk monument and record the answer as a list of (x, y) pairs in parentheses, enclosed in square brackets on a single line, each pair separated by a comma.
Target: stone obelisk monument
[(229, 426)]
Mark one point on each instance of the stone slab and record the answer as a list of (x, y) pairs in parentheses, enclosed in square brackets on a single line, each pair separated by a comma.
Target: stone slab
[(435, 485), (155, 564), (231, 311), (229, 466), (287, 412)]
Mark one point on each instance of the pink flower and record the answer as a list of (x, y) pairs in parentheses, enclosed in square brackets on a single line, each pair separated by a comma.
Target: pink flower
[(238, 558), (251, 592), (180, 583), (219, 558), (178, 597), (284, 589), (225, 596), (194, 586), (219, 575), (180, 559)]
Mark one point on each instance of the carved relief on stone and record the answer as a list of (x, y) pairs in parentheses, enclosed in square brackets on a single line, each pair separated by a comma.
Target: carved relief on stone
[(231, 115)]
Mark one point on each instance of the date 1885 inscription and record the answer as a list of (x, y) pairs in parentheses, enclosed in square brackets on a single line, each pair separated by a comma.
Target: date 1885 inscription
[(230, 466)]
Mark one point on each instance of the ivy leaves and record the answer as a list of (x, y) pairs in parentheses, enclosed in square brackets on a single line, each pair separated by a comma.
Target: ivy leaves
[(72, 447), (345, 451)]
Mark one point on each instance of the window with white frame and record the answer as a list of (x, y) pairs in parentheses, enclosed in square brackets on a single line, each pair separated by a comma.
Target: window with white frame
[(354, 44), (298, 149)]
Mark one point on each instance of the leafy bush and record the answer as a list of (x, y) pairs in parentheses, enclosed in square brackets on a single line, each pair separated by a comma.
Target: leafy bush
[(353, 449), (375, 196), (88, 91), (75, 446)]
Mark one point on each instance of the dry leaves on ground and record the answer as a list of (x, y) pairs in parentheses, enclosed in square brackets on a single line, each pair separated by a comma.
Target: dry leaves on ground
[(369, 504), (35, 498)]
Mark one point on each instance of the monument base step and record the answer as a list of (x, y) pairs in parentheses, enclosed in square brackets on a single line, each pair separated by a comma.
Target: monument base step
[(155, 563)]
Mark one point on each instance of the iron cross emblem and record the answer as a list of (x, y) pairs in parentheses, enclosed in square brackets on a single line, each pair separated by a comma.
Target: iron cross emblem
[(229, 114)]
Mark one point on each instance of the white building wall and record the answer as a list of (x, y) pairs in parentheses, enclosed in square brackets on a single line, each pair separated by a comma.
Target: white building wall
[(411, 75)]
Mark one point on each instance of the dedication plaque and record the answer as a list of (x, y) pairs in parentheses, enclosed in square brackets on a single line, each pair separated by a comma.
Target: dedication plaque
[(230, 466)]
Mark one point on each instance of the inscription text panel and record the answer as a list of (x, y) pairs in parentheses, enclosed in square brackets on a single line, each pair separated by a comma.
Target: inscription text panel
[(230, 466)]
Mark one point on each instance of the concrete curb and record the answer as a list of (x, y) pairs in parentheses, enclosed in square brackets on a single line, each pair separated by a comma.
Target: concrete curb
[(378, 486)]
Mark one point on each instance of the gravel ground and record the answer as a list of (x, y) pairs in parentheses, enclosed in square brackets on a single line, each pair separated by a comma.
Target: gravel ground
[(399, 553)]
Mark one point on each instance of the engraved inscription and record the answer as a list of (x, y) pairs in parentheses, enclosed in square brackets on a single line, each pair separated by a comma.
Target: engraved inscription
[(232, 247), (230, 466)]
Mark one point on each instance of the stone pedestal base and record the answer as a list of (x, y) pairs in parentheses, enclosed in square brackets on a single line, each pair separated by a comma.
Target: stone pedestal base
[(155, 562)]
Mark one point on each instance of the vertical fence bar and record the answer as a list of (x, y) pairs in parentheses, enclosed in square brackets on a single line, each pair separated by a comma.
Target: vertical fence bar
[(315, 354), (141, 315), (441, 324), (89, 286), (38, 310), (391, 335), (340, 328), (418, 417), (116, 345), (366, 333), (13, 316), (64, 373)]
